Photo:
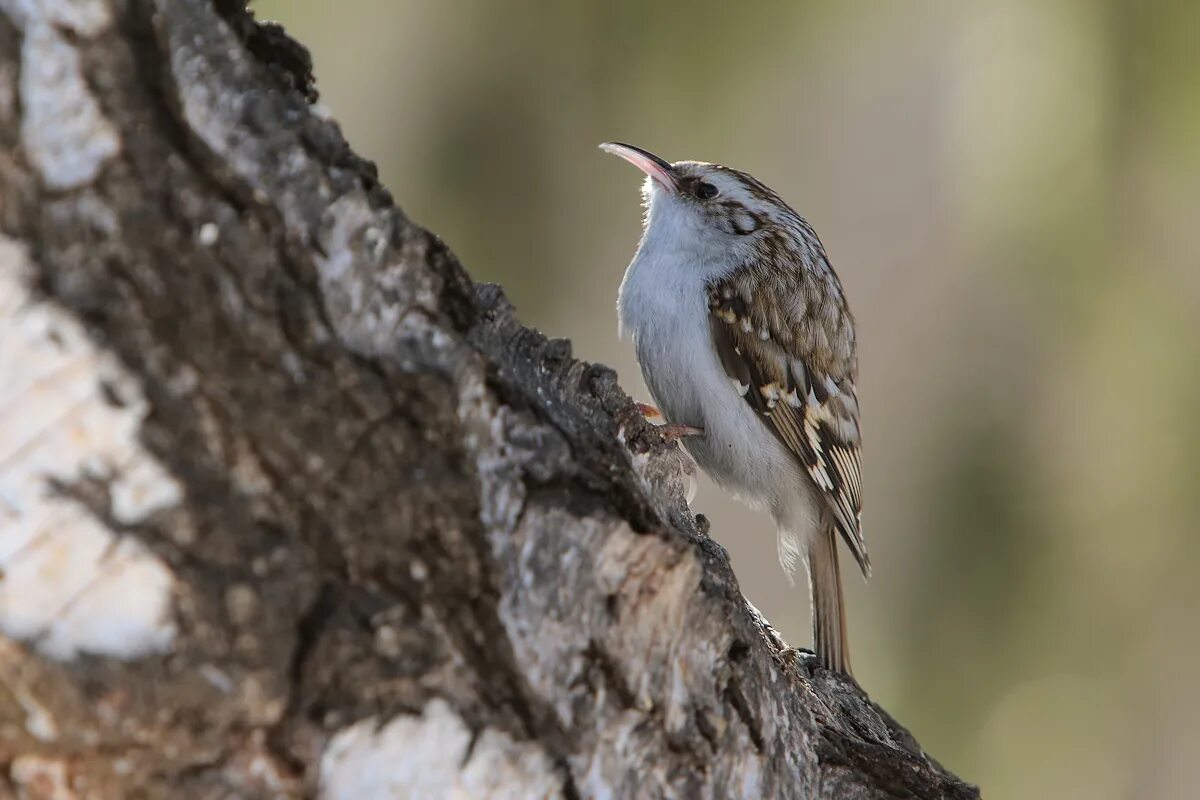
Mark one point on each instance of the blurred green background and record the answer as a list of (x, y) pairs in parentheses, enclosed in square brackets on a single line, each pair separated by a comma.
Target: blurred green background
[(1010, 192)]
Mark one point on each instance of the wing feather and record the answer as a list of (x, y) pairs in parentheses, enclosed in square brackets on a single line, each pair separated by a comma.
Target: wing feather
[(812, 412)]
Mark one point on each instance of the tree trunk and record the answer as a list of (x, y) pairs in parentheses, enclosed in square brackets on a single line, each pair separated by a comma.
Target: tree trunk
[(291, 507)]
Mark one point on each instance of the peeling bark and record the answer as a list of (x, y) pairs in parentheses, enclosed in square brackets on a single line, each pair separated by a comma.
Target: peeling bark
[(291, 507)]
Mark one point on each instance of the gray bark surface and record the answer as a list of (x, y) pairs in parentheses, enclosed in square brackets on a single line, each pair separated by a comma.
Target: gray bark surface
[(396, 504)]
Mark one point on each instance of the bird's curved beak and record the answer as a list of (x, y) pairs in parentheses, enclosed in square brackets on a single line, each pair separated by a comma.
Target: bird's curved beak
[(647, 162)]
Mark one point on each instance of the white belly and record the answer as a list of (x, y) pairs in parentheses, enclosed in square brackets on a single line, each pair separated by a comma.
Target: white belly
[(685, 377)]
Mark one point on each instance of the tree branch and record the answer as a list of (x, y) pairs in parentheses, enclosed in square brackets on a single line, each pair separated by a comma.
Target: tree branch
[(288, 505)]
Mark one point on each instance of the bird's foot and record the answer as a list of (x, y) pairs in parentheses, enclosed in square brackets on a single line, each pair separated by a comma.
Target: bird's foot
[(794, 655), (648, 411), (670, 431)]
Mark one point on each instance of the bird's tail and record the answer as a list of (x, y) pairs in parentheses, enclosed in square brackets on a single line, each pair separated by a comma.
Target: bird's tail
[(828, 606)]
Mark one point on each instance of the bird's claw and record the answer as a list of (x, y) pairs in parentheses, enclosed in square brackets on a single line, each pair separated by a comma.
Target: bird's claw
[(670, 431), (648, 411)]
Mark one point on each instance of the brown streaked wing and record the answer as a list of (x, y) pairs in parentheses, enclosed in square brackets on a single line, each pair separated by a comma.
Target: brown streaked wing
[(813, 415)]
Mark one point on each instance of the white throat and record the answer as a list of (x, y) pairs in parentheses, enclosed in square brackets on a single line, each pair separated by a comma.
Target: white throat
[(675, 260)]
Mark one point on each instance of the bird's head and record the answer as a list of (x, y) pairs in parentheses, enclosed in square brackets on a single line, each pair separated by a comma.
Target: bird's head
[(693, 204)]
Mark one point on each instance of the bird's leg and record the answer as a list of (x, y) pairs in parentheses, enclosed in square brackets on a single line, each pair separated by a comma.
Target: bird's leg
[(671, 431)]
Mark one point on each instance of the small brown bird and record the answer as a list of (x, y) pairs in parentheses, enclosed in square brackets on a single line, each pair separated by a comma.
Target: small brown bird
[(746, 342)]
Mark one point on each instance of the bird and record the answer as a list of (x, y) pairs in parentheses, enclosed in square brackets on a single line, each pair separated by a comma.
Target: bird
[(746, 342)]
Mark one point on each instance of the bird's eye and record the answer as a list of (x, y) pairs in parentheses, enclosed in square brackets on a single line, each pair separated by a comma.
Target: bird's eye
[(705, 191)]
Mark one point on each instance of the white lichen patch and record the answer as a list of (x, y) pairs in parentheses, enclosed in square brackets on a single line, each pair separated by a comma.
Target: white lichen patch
[(432, 755), (81, 17), (64, 134), (71, 412), (208, 234), (39, 776)]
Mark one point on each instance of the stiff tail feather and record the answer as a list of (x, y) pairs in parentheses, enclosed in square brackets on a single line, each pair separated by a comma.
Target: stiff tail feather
[(828, 606)]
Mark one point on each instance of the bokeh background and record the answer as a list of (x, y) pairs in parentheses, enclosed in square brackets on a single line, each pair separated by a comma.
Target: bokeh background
[(1011, 194)]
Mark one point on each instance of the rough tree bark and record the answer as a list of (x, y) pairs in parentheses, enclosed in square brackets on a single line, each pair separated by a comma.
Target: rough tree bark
[(289, 506)]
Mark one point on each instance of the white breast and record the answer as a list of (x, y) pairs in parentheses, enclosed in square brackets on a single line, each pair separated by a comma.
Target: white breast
[(663, 307)]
